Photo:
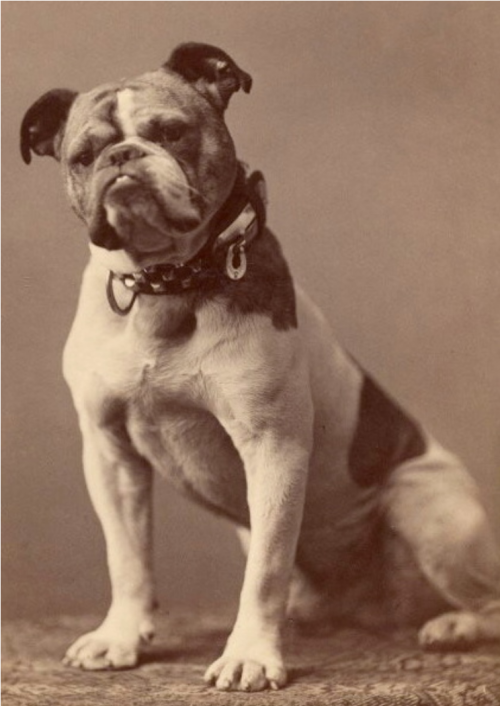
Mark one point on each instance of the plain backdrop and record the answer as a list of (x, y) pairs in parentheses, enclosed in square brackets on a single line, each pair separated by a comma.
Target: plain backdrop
[(377, 127)]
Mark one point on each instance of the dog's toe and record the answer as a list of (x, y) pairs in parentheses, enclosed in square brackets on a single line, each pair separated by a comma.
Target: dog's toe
[(253, 677), (456, 630), (229, 676)]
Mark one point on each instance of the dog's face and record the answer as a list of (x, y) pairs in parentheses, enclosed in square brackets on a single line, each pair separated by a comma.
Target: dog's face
[(147, 162)]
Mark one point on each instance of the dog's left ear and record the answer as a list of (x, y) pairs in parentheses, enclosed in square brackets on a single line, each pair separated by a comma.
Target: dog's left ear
[(210, 70), (42, 128)]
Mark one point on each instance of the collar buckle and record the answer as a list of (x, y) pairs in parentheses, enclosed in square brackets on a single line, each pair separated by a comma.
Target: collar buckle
[(238, 229)]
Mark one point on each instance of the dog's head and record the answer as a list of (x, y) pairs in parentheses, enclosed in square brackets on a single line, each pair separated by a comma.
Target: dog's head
[(148, 162)]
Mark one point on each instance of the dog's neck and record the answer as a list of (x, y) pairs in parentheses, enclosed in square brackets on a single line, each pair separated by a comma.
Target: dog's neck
[(222, 256)]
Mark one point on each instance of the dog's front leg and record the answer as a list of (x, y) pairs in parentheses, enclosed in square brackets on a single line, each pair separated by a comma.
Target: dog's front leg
[(276, 461), (119, 483)]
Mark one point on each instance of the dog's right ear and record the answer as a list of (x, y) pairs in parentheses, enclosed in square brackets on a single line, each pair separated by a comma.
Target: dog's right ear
[(42, 128)]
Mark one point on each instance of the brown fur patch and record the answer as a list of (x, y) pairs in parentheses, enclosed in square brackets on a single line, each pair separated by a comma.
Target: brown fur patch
[(385, 436), (267, 287)]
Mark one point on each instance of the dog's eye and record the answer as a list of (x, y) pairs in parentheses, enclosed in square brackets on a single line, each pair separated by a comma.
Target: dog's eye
[(168, 132), (175, 131), (84, 158)]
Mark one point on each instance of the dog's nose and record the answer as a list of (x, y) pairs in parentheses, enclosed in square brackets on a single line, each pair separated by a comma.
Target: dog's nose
[(124, 153)]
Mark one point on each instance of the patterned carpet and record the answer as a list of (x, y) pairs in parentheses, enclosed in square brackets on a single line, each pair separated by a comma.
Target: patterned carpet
[(348, 668)]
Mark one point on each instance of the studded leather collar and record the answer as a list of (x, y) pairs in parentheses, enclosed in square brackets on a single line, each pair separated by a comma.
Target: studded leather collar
[(209, 266)]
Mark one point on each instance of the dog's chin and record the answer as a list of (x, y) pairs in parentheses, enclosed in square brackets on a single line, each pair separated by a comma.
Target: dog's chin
[(128, 259), (146, 225), (146, 247)]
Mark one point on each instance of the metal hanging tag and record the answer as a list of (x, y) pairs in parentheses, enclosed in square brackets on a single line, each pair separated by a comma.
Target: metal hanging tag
[(236, 261), (121, 311)]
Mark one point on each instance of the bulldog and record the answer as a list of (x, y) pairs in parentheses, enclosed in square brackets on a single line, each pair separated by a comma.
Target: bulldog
[(193, 354)]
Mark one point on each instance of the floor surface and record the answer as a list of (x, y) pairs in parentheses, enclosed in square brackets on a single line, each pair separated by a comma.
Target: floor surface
[(348, 668)]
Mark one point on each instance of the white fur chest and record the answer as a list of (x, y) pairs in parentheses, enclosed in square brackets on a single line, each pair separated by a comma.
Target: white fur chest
[(117, 362)]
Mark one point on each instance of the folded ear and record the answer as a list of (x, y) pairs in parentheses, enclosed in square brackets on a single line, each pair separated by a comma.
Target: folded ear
[(210, 70), (42, 128)]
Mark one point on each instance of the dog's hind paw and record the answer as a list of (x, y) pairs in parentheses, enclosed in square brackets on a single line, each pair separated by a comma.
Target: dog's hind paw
[(458, 630)]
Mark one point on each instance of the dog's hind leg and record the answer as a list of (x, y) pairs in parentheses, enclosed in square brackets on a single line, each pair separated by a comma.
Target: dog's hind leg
[(433, 505)]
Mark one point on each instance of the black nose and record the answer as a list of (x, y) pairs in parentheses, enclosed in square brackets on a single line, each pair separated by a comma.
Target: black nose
[(122, 154)]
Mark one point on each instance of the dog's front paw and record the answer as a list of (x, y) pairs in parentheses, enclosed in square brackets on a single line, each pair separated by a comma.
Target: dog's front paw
[(456, 631), (254, 668), (114, 645), (98, 650)]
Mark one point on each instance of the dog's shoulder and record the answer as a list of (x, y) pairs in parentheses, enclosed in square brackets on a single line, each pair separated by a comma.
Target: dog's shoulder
[(267, 287)]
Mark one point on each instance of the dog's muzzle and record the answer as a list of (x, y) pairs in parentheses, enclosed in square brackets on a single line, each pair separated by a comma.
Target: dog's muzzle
[(142, 196)]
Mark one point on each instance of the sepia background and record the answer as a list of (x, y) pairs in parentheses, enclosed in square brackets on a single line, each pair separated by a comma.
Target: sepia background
[(377, 127)]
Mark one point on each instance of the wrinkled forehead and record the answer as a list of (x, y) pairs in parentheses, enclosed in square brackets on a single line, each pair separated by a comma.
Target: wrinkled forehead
[(124, 104)]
